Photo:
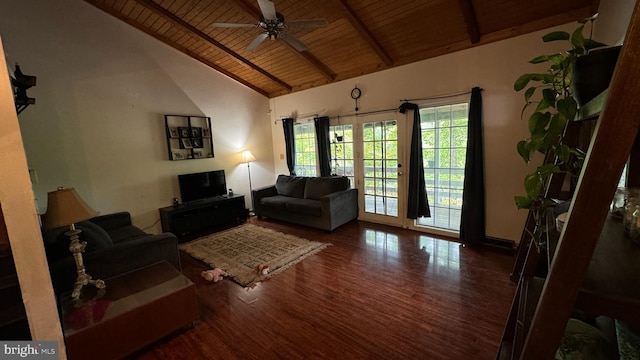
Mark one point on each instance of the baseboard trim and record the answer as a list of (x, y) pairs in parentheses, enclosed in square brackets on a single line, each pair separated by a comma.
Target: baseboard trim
[(500, 243)]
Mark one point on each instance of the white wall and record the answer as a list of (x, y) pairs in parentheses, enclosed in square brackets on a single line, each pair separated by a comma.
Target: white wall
[(494, 67), (613, 19), (102, 90)]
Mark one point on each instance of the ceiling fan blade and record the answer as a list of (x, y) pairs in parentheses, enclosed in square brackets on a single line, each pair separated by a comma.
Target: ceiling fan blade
[(293, 41), (257, 41), (268, 9), (230, 25), (317, 23)]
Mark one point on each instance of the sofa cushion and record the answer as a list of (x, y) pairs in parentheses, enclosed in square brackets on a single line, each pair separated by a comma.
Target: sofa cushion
[(318, 187), (291, 186), (304, 207), (126, 233), (275, 203)]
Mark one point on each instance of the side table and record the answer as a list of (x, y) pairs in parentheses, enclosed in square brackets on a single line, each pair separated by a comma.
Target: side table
[(136, 309)]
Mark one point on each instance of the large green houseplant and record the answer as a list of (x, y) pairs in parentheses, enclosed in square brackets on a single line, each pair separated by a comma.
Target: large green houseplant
[(550, 95)]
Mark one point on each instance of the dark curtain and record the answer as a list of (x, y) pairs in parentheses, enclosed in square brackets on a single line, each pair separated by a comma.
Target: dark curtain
[(323, 144), (417, 204), (287, 125), (472, 224)]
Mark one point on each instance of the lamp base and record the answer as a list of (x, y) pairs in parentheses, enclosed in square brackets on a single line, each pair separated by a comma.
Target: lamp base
[(77, 248)]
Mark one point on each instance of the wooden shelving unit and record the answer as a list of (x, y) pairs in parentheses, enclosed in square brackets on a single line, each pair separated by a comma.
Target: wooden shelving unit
[(611, 285), (594, 267)]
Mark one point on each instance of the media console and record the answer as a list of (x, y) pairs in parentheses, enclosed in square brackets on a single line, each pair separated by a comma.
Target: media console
[(195, 218)]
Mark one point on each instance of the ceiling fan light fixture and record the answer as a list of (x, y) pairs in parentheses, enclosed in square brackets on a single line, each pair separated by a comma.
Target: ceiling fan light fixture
[(274, 27)]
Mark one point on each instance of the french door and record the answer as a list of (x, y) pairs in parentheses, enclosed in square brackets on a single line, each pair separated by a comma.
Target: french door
[(380, 159)]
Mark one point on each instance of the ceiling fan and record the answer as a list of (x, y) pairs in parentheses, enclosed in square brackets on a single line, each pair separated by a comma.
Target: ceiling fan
[(275, 27)]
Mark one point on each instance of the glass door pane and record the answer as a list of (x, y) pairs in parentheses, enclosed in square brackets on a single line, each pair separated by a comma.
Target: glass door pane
[(380, 168)]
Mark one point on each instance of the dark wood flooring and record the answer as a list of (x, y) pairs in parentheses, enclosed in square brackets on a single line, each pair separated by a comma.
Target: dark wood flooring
[(378, 292)]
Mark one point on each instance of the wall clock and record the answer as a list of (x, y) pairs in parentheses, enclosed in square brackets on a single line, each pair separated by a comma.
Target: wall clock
[(355, 95)]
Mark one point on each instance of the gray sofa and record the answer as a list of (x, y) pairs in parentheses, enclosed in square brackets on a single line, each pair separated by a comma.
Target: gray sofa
[(320, 202), (114, 246)]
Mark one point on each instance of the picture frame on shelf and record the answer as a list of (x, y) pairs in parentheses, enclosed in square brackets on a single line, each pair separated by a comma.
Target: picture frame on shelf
[(185, 143), (206, 132), (184, 132), (173, 132), (197, 143), (177, 155), (196, 132)]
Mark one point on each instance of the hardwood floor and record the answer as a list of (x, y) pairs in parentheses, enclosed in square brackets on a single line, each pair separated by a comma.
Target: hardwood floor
[(378, 292)]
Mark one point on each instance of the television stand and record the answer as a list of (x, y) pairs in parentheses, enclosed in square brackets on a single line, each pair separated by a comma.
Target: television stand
[(189, 220)]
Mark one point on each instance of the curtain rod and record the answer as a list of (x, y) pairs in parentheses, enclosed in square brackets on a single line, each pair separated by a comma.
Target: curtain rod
[(366, 113), (314, 115), (439, 96)]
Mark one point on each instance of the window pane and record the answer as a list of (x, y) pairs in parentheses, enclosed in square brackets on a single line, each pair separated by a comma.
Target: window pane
[(341, 147), (305, 144), (458, 158)]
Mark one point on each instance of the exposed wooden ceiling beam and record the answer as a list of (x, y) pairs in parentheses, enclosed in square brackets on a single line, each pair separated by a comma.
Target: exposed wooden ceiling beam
[(189, 28), (305, 55), (470, 19), (314, 61), (365, 33)]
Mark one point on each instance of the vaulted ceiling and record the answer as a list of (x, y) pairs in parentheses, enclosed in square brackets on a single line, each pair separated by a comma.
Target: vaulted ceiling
[(361, 37)]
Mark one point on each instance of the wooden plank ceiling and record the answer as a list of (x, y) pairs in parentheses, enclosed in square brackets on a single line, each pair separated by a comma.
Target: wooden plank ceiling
[(362, 36)]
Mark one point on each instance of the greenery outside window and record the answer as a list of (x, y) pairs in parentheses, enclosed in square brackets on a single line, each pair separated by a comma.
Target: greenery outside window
[(304, 136), (444, 148), (380, 159), (342, 154)]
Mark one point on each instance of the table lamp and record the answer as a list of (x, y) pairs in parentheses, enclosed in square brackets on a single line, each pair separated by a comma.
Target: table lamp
[(65, 208)]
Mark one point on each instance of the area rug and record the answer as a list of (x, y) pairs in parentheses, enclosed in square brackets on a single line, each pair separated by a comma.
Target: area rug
[(240, 250)]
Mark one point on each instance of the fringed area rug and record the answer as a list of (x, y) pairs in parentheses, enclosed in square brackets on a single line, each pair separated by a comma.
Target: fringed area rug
[(240, 250)]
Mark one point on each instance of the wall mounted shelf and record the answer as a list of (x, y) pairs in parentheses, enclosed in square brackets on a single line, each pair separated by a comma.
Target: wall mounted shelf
[(188, 137)]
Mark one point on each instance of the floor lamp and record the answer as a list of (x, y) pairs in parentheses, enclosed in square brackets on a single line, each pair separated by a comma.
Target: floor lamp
[(248, 157), (65, 208)]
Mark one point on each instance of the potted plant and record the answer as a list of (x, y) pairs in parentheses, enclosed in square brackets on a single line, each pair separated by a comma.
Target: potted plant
[(551, 95)]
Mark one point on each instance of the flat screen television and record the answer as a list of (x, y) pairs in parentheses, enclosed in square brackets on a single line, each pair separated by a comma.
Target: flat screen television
[(200, 186)]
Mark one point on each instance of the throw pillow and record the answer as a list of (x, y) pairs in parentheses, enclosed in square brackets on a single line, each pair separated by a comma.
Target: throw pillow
[(290, 185), (57, 243), (95, 236)]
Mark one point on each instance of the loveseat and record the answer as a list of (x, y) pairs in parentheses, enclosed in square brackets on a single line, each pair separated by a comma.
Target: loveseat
[(114, 246), (320, 202)]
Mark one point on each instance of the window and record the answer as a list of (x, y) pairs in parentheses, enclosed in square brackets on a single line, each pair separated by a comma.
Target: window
[(342, 161), (444, 148), (304, 136)]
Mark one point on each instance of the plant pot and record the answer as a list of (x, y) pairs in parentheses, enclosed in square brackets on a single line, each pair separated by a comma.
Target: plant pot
[(592, 73)]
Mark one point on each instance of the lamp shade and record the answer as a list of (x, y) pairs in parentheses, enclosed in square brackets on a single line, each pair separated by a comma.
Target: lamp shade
[(247, 156), (65, 207)]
